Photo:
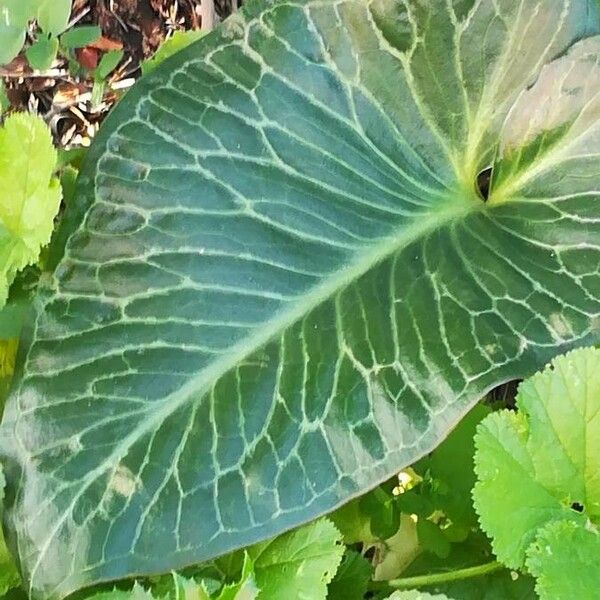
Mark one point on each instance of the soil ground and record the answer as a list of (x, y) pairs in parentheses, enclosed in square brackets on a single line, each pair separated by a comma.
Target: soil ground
[(63, 96)]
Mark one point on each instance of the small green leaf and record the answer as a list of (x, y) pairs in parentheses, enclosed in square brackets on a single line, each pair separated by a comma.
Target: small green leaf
[(542, 459), (9, 577), (383, 511), (432, 539), (186, 583), (188, 589), (72, 157), (4, 101), (353, 523), (41, 54), (108, 63), (29, 194), (416, 595), (178, 41), (13, 314), (81, 36), (352, 578), (11, 320), (564, 559), (98, 91), (451, 469), (137, 593), (298, 564), (245, 588), (14, 16), (18, 12), (12, 39), (53, 15), (68, 179)]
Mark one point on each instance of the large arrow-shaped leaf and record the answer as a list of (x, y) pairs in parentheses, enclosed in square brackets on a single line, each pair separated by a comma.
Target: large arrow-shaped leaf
[(281, 284)]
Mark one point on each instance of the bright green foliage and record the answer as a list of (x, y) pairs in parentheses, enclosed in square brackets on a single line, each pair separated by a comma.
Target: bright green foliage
[(351, 579), (108, 63), (565, 561), (137, 593), (81, 36), (542, 459), (9, 578), (29, 194), (298, 564), (188, 589), (202, 588), (53, 15), (4, 101), (280, 285), (187, 584), (11, 40), (246, 588), (178, 41), (42, 52)]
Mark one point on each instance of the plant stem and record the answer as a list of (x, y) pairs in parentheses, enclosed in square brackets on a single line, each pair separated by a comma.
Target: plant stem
[(437, 578)]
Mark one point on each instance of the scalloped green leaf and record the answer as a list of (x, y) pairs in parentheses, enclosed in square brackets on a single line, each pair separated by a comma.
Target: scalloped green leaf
[(543, 460), (280, 284), (564, 560), (298, 564), (30, 195)]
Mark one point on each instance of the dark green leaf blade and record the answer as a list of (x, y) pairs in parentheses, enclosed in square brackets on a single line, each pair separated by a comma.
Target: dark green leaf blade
[(280, 285), (352, 578)]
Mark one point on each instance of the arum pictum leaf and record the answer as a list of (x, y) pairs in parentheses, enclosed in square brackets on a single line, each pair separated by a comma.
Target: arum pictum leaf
[(280, 284)]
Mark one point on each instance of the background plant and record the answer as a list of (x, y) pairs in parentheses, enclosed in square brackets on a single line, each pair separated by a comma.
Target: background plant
[(52, 16)]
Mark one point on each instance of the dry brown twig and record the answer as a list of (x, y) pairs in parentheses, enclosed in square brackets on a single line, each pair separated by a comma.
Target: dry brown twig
[(208, 15)]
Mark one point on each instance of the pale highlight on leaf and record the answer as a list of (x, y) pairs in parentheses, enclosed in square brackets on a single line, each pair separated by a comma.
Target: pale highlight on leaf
[(555, 124)]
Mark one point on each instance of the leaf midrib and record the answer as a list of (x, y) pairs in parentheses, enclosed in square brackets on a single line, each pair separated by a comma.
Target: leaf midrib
[(306, 303), (451, 208)]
